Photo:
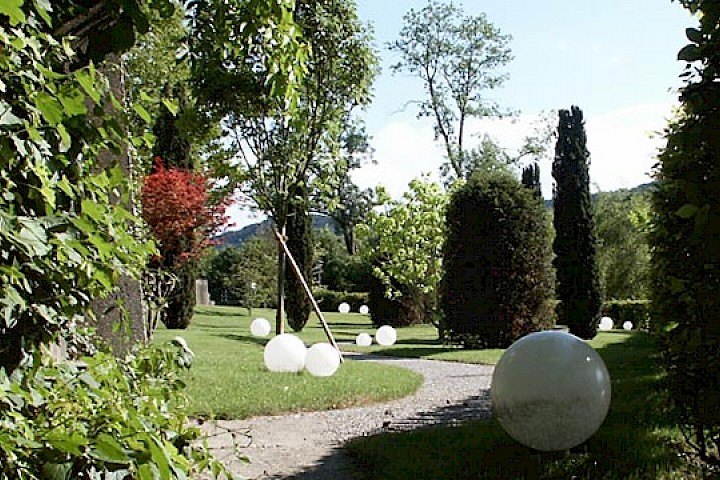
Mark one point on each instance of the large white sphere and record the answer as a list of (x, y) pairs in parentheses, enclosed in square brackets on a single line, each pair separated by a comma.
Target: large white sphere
[(550, 391), (285, 353), (322, 360), (260, 327), (606, 323), (628, 325), (385, 335), (363, 340), (364, 310), (344, 308)]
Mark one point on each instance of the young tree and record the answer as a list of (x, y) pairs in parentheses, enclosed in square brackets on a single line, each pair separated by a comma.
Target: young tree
[(578, 285), (406, 241), (685, 242), (278, 153), (176, 205), (300, 243), (457, 57)]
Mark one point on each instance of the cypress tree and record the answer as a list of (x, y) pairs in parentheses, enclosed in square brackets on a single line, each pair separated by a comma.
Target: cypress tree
[(300, 244), (685, 243), (578, 285), (531, 179)]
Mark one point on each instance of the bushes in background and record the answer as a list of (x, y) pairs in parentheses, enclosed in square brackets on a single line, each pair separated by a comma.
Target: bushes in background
[(329, 300), (621, 311)]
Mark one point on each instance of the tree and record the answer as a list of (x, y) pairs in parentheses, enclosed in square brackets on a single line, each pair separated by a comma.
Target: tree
[(623, 255), (277, 153), (300, 244), (531, 179), (176, 205), (685, 242), (456, 57), (406, 241), (497, 281), (578, 286)]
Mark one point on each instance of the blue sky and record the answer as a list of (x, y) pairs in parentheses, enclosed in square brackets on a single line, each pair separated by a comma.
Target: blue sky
[(615, 59)]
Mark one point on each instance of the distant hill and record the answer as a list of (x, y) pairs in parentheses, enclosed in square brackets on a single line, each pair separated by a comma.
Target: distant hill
[(236, 238), (640, 188)]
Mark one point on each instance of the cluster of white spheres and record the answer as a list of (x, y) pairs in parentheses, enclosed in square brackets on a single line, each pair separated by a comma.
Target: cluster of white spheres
[(344, 307), (364, 310), (628, 325), (287, 353), (363, 340), (550, 391), (606, 323), (385, 335), (260, 327)]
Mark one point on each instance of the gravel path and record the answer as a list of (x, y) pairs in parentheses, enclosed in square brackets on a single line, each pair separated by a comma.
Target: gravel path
[(307, 445)]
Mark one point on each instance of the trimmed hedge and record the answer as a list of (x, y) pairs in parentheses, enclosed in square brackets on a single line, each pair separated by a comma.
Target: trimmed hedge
[(329, 300), (635, 311)]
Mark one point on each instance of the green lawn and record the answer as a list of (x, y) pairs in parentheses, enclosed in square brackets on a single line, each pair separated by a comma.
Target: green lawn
[(633, 443), (229, 380)]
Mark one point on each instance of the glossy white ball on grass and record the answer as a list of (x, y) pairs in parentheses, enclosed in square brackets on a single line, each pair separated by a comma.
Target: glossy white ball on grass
[(260, 327), (344, 307), (364, 310), (322, 360), (550, 391), (285, 353), (385, 336), (628, 325), (606, 323), (363, 340)]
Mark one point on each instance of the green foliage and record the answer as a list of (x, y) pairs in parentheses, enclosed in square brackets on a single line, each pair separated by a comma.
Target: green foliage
[(578, 283), (623, 256), (497, 261), (407, 306), (330, 300), (456, 57), (233, 271), (685, 242), (101, 418), (63, 241), (300, 244), (621, 311)]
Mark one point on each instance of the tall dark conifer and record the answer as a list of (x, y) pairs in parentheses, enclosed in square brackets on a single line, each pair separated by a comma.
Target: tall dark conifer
[(300, 244), (531, 179), (578, 285)]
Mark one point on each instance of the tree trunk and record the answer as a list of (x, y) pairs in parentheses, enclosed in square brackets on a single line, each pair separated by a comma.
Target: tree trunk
[(280, 313)]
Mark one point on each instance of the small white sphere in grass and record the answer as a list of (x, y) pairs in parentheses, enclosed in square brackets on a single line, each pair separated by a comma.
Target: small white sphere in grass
[(550, 391), (285, 353), (322, 360), (606, 323), (364, 310), (260, 327), (385, 335), (628, 325), (344, 307), (363, 340)]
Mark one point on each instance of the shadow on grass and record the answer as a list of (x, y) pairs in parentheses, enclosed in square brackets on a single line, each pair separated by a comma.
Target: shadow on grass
[(243, 338), (628, 445)]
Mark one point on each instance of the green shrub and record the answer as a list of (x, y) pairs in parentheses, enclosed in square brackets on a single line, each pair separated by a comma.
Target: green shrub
[(497, 281), (100, 418), (685, 242), (410, 308), (329, 300), (635, 311)]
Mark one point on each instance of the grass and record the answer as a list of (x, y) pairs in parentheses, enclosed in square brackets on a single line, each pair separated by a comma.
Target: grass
[(229, 380), (634, 442)]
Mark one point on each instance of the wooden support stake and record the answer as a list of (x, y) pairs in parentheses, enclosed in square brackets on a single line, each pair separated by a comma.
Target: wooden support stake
[(308, 292)]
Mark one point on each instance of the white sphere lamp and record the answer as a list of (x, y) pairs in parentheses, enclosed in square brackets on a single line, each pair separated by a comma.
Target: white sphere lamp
[(260, 327), (364, 310), (363, 340), (285, 353), (628, 325), (606, 323), (322, 360), (344, 307), (550, 391), (385, 335)]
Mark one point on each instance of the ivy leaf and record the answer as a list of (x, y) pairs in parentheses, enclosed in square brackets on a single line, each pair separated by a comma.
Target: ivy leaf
[(172, 105), (67, 442), (12, 8), (687, 211), (689, 53), (34, 238), (6, 115), (140, 110), (694, 35), (107, 449), (73, 102), (57, 471), (49, 107)]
